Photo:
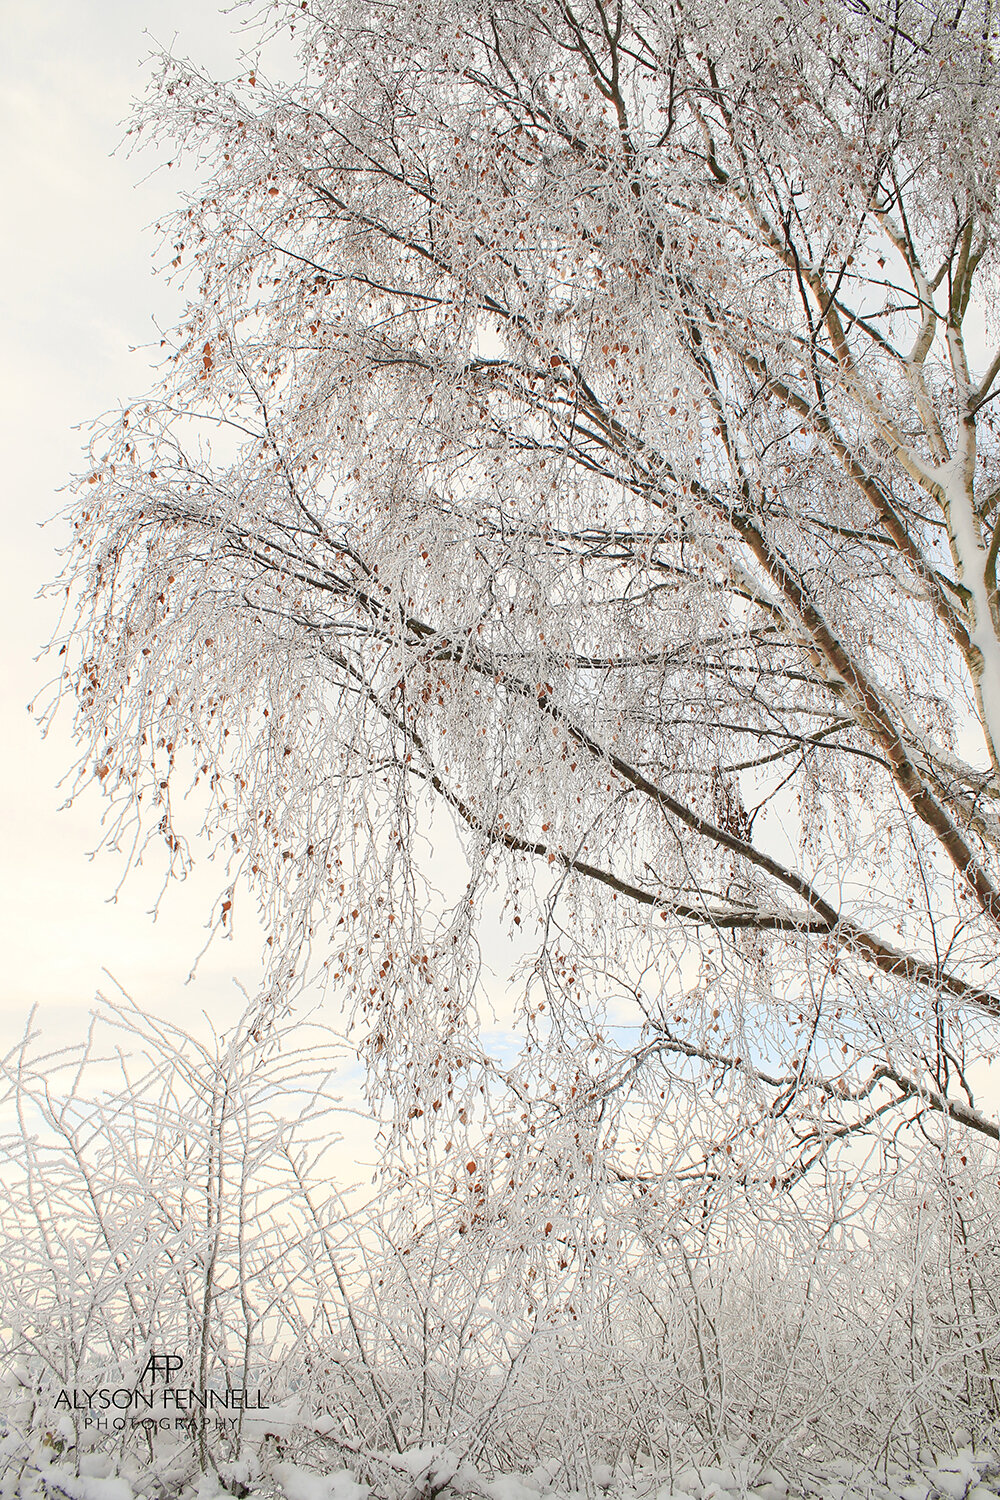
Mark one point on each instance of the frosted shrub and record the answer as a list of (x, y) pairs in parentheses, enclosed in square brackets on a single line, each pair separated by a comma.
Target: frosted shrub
[(164, 1196)]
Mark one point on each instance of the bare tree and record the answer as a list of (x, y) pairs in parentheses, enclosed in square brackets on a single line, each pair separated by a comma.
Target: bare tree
[(579, 445)]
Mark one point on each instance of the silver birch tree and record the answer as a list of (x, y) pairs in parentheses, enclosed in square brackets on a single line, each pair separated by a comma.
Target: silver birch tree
[(579, 445)]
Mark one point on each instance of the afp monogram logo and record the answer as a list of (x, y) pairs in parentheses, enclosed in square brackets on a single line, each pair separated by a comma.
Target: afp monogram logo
[(162, 1367)]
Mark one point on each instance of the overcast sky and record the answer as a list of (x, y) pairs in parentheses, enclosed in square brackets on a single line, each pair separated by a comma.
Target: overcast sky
[(78, 293)]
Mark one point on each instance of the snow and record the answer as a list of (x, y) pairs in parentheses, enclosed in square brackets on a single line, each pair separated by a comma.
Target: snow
[(302, 1484), (968, 1474), (953, 1480), (271, 1421), (96, 1465), (87, 1487), (510, 1487)]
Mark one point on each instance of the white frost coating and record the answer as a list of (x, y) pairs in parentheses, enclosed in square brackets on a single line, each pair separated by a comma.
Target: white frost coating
[(966, 537), (567, 597)]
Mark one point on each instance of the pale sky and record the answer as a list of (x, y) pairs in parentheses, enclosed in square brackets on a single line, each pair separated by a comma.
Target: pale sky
[(76, 255), (75, 271)]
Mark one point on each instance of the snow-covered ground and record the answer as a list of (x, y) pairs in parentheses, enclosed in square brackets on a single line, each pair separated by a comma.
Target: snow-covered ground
[(434, 1473)]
